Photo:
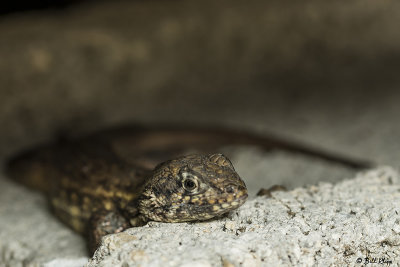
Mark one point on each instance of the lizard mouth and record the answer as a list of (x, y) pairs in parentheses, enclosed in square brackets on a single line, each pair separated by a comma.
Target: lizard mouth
[(203, 211), (239, 199), (229, 202), (243, 197)]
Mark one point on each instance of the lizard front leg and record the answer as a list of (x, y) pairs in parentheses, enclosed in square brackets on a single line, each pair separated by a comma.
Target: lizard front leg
[(102, 223)]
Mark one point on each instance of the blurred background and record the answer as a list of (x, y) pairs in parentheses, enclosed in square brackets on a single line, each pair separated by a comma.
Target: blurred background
[(319, 72)]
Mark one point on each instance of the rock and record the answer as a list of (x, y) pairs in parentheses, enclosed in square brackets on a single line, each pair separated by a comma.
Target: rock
[(316, 225), (30, 235)]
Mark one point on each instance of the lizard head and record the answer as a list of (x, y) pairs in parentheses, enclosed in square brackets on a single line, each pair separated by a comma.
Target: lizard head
[(191, 188)]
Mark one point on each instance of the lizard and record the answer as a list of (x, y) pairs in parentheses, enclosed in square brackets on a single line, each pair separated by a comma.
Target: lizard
[(111, 180)]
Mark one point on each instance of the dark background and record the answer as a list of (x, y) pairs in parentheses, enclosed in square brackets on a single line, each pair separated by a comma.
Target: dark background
[(320, 72)]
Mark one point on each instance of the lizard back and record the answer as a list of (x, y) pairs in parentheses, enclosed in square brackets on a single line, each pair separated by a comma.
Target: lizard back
[(80, 177)]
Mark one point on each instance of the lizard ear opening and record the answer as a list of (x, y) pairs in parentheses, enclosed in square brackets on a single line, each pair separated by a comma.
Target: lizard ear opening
[(221, 160)]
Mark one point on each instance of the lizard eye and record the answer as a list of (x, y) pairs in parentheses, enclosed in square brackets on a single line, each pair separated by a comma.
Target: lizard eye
[(189, 184)]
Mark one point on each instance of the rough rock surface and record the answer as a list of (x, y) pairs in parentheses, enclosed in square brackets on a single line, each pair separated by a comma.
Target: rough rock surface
[(30, 235), (318, 225)]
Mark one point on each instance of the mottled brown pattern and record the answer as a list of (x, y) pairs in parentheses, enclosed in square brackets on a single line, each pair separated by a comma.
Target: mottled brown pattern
[(108, 181), (194, 187), (94, 184)]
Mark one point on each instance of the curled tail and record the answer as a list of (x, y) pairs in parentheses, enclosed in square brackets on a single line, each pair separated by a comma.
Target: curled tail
[(164, 138), (38, 168)]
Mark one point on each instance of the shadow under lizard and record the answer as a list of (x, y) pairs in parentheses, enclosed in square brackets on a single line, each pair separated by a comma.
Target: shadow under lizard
[(111, 180)]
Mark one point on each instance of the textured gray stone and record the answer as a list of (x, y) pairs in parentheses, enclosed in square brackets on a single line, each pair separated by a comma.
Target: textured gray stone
[(30, 235), (318, 225)]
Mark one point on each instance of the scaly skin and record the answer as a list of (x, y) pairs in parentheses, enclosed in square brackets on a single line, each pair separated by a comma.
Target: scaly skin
[(96, 191), (109, 181), (190, 188)]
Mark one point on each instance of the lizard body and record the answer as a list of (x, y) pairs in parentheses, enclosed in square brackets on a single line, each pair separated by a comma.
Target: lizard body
[(111, 180)]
